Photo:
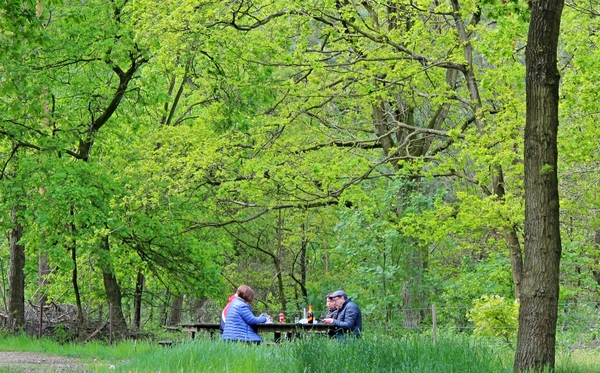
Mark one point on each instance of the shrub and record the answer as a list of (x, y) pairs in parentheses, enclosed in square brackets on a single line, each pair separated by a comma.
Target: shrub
[(494, 316)]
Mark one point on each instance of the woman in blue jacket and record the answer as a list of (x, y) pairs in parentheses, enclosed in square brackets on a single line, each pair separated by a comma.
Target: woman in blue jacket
[(240, 319)]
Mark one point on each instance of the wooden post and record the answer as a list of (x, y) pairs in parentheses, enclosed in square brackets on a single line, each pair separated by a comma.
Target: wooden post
[(110, 323), (434, 322)]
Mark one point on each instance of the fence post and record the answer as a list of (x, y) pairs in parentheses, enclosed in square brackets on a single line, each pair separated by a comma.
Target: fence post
[(434, 322)]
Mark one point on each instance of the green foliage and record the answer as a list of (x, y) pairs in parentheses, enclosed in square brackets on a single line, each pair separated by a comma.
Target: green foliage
[(578, 326), (250, 153), (494, 316)]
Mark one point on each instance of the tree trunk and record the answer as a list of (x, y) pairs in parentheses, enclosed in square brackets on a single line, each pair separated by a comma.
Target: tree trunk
[(595, 272), (277, 261), (16, 281), (164, 309), (510, 234), (303, 268), (137, 300), (43, 272), (413, 294), (300, 259), (74, 282), (76, 286), (536, 340), (113, 292), (516, 259), (176, 309)]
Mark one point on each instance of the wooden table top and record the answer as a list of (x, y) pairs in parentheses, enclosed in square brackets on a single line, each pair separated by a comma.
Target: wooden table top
[(271, 327)]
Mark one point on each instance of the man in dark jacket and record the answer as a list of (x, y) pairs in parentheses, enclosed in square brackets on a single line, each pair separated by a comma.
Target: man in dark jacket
[(349, 317)]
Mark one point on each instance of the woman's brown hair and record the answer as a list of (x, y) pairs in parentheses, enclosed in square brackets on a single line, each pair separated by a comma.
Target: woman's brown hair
[(246, 293)]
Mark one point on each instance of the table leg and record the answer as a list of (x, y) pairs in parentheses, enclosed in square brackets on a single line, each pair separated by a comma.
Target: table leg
[(277, 337)]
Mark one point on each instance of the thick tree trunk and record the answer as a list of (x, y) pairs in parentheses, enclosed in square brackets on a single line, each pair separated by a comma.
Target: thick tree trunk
[(536, 340), (16, 281), (113, 293), (137, 300), (176, 310)]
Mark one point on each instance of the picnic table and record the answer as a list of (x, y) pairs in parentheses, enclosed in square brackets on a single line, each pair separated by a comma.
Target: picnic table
[(290, 331)]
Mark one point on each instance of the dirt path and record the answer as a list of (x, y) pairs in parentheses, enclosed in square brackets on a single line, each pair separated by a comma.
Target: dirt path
[(33, 362)]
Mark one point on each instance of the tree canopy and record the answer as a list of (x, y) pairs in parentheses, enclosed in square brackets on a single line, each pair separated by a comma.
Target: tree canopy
[(296, 146)]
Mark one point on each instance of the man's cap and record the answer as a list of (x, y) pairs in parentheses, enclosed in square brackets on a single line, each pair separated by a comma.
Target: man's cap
[(338, 293)]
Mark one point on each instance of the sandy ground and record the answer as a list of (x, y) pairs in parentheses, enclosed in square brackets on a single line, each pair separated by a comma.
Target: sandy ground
[(33, 362)]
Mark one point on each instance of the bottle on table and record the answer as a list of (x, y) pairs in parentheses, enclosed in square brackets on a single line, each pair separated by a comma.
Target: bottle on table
[(311, 317)]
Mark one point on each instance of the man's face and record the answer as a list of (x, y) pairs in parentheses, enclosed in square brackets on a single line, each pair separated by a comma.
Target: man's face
[(337, 302)]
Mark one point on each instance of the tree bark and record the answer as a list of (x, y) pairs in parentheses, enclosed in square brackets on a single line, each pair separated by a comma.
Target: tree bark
[(413, 294), (113, 292), (516, 259), (536, 339), (510, 235), (76, 287), (16, 281), (176, 309), (74, 282), (137, 300)]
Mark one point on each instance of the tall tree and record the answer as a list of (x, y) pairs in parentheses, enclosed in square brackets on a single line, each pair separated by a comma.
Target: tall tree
[(16, 305), (536, 341), (137, 301)]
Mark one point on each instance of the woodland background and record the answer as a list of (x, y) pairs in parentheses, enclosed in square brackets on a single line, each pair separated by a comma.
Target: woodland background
[(157, 154)]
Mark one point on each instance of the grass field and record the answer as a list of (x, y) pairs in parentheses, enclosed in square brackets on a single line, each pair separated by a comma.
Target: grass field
[(370, 354)]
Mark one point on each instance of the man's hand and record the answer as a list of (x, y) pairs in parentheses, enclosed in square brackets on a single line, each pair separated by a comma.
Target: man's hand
[(327, 321)]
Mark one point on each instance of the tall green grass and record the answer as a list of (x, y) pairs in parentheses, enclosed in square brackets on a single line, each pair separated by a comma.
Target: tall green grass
[(322, 355), (414, 354), (579, 361), (87, 351)]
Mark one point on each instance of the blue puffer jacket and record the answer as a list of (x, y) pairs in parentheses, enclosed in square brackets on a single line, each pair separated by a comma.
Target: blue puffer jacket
[(348, 320), (240, 320)]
